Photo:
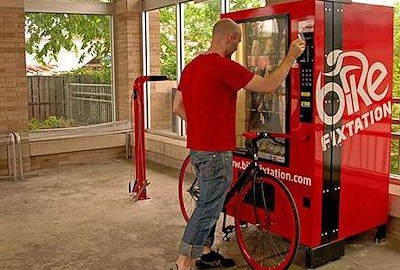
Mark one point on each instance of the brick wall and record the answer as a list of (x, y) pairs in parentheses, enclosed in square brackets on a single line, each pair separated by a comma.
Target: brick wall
[(13, 96), (161, 105), (127, 53), (154, 40), (81, 157)]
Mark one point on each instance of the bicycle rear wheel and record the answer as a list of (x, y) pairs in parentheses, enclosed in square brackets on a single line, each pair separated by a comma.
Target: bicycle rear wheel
[(267, 224), (189, 192)]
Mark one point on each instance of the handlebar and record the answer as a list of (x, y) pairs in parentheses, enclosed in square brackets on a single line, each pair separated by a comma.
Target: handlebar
[(256, 136), (253, 137)]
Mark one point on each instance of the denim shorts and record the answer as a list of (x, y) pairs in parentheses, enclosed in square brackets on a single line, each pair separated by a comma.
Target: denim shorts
[(214, 175)]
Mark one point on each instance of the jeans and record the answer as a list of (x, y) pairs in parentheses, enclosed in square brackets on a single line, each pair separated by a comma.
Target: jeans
[(214, 175)]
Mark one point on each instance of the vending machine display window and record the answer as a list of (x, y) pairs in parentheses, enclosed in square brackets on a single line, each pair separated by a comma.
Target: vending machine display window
[(265, 44)]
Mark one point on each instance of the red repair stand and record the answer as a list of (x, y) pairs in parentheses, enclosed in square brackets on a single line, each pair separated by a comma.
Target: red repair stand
[(137, 187)]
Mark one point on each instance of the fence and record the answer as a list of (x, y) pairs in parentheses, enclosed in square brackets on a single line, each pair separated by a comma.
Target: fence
[(47, 96), (85, 103), (90, 104)]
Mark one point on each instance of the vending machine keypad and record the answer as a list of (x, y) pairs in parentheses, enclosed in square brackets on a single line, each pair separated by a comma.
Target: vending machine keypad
[(306, 61)]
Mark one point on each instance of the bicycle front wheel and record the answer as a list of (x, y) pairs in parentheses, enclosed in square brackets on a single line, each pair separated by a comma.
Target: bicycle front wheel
[(267, 224), (189, 191)]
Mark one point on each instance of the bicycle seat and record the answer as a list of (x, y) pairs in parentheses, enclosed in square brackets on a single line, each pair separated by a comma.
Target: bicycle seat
[(251, 141), (250, 135)]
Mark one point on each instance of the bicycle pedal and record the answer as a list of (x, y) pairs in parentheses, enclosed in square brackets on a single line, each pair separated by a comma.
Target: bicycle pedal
[(226, 238), (228, 230)]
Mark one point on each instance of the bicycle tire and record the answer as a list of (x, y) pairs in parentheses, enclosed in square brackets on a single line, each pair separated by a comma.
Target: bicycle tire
[(270, 238), (188, 190)]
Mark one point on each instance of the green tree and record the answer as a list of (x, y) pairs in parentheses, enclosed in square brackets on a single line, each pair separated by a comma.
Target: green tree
[(396, 50), (59, 31), (168, 42), (198, 20), (394, 165), (201, 19), (240, 4)]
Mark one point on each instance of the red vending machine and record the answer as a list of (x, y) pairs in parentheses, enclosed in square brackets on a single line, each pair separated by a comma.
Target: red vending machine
[(338, 96)]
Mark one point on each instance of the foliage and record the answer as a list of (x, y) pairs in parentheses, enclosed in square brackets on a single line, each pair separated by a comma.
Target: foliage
[(394, 158), (201, 18), (168, 42), (240, 4), (103, 76), (61, 31), (50, 122), (198, 21), (396, 51)]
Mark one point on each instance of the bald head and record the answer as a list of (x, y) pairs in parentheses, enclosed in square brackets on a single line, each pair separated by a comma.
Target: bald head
[(226, 37), (225, 27)]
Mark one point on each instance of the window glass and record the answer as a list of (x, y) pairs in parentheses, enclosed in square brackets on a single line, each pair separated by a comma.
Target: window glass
[(199, 20), (263, 48), (235, 5), (69, 69), (395, 151), (162, 53)]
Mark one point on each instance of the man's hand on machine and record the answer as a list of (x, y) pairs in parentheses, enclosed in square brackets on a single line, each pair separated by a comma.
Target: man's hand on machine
[(296, 48)]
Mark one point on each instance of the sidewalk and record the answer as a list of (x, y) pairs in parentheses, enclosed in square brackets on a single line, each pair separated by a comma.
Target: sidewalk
[(80, 217)]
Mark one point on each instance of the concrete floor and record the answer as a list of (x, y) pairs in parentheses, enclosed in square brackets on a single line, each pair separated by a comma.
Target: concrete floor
[(80, 217)]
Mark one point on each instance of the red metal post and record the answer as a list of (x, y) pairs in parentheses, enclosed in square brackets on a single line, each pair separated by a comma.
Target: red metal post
[(138, 190)]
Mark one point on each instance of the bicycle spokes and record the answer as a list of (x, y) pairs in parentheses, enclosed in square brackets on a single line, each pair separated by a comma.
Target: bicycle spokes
[(189, 191), (194, 191), (270, 239)]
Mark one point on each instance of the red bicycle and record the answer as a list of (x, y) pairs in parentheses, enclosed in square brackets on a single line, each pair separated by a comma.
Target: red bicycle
[(266, 218)]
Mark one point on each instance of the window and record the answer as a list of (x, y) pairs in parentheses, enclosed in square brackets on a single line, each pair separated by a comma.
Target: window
[(186, 26), (235, 5), (161, 56), (69, 69), (174, 36), (395, 149)]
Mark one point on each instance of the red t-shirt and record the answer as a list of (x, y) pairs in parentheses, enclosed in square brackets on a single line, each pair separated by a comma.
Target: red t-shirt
[(209, 86)]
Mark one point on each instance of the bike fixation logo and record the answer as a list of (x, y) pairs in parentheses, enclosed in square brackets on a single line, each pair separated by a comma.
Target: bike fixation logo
[(358, 83)]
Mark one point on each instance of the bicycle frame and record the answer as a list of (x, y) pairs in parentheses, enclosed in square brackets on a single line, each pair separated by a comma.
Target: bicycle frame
[(242, 180), (235, 189)]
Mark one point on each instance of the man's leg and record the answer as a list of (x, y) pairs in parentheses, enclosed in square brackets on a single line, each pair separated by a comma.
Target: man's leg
[(214, 180), (210, 239), (211, 258)]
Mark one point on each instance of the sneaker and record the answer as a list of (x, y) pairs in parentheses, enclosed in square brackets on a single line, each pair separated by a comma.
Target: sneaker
[(213, 259)]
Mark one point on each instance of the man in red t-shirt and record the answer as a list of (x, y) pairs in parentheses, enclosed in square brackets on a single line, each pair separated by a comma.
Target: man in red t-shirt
[(207, 101)]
